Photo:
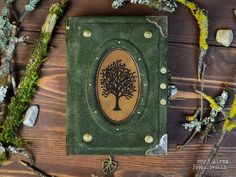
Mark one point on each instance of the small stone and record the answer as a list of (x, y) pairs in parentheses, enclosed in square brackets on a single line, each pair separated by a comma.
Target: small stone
[(225, 37), (31, 116), (173, 90)]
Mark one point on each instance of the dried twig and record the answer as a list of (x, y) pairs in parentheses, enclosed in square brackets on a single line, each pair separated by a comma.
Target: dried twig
[(34, 169), (21, 151), (181, 147), (212, 154)]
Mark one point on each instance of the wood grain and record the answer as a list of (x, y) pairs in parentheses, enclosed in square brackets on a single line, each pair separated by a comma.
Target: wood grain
[(48, 137)]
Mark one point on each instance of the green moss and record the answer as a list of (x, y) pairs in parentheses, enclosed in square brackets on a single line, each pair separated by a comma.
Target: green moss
[(3, 157), (10, 129), (58, 8), (26, 89)]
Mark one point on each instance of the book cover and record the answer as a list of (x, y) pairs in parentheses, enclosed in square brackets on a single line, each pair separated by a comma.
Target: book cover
[(117, 85)]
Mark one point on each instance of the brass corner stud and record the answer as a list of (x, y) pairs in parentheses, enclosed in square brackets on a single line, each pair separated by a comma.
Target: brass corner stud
[(163, 102), (87, 137), (148, 34), (148, 139), (163, 70), (87, 33), (163, 86)]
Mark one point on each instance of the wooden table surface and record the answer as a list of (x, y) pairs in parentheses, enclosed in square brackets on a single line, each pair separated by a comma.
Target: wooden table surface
[(48, 137)]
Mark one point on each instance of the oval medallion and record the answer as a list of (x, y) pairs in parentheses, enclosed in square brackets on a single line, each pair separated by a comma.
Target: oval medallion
[(118, 85)]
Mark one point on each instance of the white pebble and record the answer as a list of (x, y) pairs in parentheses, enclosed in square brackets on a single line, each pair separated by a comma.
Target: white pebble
[(31, 116), (225, 37)]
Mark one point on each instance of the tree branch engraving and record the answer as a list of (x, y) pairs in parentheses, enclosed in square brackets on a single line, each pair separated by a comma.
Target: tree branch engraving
[(118, 80)]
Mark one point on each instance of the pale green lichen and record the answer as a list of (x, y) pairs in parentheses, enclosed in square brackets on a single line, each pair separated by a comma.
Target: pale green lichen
[(117, 4), (3, 153), (9, 1), (161, 5), (5, 28), (31, 5), (5, 12), (3, 91), (58, 8), (195, 124)]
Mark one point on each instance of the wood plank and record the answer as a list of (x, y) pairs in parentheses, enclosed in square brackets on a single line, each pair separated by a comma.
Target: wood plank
[(182, 26), (182, 60), (48, 137), (180, 163)]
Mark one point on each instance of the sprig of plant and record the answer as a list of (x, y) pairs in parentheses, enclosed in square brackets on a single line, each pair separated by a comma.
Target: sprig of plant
[(27, 86)]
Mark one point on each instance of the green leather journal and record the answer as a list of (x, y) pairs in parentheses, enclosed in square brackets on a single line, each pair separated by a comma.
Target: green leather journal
[(117, 85)]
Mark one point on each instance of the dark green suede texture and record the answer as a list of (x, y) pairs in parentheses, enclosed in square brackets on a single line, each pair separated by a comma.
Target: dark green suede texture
[(83, 58)]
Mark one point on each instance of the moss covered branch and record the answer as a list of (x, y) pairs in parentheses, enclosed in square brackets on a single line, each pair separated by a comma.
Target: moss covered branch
[(27, 87)]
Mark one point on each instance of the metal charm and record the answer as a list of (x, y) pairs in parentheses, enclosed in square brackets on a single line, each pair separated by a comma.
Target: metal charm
[(160, 149), (109, 166)]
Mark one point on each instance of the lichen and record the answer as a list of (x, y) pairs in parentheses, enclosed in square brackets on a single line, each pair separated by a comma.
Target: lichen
[(5, 28), (58, 8), (117, 4), (201, 15), (229, 125), (195, 124), (3, 153), (3, 91), (232, 112), (202, 20), (194, 116), (161, 5), (212, 102), (31, 5)]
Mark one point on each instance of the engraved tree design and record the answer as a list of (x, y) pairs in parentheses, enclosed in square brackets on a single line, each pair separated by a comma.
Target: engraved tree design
[(118, 80)]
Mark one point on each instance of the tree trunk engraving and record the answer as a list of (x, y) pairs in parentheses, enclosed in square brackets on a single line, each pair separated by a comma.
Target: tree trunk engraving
[(118, 80)]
